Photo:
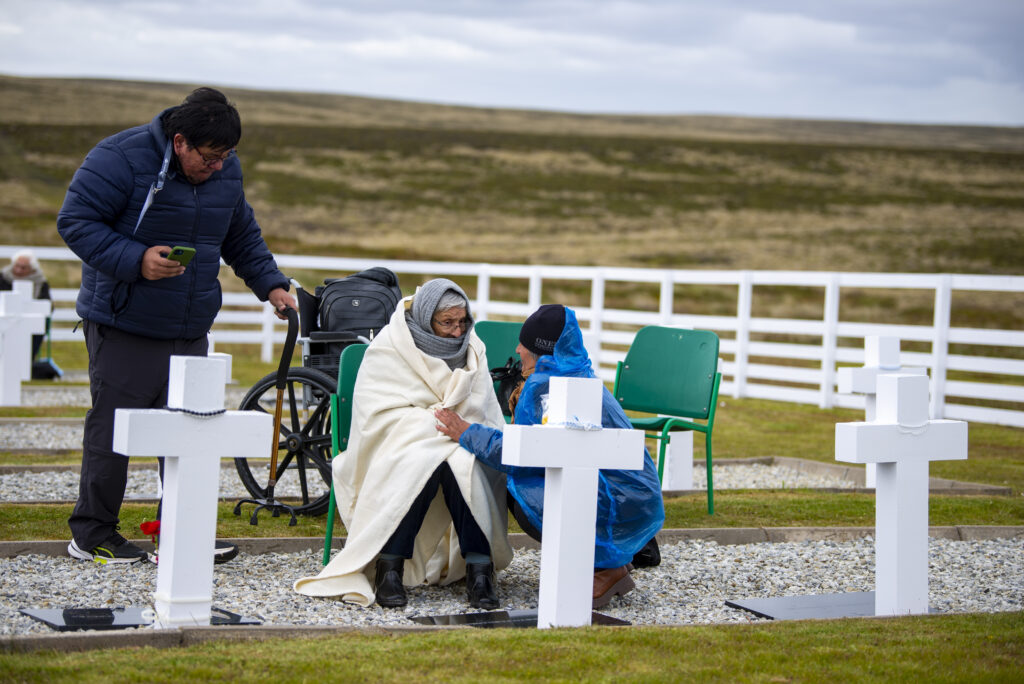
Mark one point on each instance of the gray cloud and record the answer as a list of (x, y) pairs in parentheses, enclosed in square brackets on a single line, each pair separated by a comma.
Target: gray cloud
[(899, 60)]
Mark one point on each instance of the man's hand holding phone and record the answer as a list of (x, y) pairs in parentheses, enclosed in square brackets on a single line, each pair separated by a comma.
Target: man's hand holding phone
[(157, 264)]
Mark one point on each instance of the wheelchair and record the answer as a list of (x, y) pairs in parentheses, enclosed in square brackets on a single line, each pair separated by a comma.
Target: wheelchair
[(303, 471)]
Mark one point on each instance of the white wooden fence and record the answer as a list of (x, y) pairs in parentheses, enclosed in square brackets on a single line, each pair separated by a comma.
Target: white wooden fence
[(803, 373)]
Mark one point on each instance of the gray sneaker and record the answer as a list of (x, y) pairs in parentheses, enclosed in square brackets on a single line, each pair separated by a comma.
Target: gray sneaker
[(115, 549)]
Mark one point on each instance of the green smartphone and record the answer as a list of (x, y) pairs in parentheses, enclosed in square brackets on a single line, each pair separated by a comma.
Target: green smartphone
[(182, 255)]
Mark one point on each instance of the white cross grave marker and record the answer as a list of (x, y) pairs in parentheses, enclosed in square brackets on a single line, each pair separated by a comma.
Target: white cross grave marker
[(881, 355), (192, 446), (21, 317), (572, 447), (678, 473), (902, 441)]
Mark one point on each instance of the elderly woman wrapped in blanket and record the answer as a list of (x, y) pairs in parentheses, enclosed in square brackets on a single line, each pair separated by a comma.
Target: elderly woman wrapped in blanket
[(629, 504), (412, 500)]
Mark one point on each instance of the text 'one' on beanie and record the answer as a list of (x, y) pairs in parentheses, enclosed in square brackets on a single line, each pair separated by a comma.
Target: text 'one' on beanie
[(542, 329)]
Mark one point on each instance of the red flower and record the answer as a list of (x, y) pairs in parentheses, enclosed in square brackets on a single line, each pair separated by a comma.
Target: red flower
[(152, 528)]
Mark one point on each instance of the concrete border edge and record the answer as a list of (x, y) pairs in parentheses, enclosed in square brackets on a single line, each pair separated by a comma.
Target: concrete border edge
[(721, 535)]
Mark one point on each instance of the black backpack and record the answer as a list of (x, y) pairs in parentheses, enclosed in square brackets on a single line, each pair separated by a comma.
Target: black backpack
[(360, 304), (506, 378)]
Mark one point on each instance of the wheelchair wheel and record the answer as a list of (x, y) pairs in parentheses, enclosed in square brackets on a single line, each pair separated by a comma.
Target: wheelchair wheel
[(304, 446)]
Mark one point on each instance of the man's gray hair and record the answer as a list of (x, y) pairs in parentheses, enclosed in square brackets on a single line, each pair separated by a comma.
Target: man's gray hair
[(451, 300)]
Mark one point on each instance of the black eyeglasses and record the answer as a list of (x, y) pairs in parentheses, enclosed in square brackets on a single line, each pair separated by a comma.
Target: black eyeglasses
[(212, 159)]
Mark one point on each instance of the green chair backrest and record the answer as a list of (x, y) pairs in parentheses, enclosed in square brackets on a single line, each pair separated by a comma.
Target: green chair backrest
[(501, 339), (669, 371), (341, 408), (348, 368)]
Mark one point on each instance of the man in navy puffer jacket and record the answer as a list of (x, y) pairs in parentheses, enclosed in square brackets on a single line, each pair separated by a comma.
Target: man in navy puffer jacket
[(172, 182)]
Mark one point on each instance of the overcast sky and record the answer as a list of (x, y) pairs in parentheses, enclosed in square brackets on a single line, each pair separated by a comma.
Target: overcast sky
[(921, 61)]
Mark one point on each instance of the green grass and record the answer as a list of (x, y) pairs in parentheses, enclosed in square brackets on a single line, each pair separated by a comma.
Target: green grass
[(747, 428), (808, 508), (43, 412), (946, 648), (59, 458), (246, 366), (20, 522)]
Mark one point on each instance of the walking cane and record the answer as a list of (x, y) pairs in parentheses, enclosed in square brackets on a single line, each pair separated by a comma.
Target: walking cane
[(275, 507)]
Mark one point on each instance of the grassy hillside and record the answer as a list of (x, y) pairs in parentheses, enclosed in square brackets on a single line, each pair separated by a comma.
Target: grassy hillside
[(87, 101), (355, 176), (348, 176)]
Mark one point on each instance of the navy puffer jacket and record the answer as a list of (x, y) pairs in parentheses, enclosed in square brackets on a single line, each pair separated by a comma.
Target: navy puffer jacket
[(99, 215)]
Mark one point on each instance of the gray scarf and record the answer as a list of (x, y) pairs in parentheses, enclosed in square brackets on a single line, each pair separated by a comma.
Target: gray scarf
[(451, 350)]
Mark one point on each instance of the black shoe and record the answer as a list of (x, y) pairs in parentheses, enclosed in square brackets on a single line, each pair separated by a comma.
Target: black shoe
[(388, 583), (114, 549), (223, 551), (480, 586), (649, 556)]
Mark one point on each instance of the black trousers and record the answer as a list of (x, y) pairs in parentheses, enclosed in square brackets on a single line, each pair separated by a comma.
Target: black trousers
[(125, 371), (471, 537), (520, 517)]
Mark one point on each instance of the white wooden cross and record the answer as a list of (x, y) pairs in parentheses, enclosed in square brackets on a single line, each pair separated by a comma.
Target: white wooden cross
[(881, 355), (901, 440), (192, 446), (571, 447), (21, 317)]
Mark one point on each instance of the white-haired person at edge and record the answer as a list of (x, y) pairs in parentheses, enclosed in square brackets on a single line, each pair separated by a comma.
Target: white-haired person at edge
[(25, 266), (418, 508), (629, 506)]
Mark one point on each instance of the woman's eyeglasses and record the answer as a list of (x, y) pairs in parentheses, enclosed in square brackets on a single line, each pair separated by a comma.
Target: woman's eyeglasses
[(452, 323)]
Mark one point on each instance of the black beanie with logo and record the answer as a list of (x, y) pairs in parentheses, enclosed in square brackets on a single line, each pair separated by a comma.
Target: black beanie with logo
[(542, 329)]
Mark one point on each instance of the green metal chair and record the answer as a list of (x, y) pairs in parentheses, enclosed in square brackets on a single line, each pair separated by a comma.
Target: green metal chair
[(341, 411), (501, 339), (672, 373)]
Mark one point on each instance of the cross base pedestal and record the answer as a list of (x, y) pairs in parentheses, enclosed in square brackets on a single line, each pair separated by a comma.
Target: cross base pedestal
[(815, 606), (73, 619), (525, 619)]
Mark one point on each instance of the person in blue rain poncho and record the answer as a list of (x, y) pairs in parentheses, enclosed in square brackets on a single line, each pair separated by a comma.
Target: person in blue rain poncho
[(629, 506)]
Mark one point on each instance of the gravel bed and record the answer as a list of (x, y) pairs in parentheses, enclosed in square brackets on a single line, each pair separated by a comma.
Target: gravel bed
[(78, 395), (62, 485), (689, 587)]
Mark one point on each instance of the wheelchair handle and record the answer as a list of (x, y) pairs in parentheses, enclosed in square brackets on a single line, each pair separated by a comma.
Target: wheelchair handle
[(289, 347)]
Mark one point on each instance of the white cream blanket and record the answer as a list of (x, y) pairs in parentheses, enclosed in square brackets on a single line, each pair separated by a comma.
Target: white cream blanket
[(394, 447)]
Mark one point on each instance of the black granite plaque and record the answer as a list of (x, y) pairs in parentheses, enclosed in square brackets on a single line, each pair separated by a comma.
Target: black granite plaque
[(504, 618), (850, 604), (70, 619)]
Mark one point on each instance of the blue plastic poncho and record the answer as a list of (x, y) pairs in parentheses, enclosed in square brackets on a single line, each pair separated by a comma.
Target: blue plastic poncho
[(629, 504)]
